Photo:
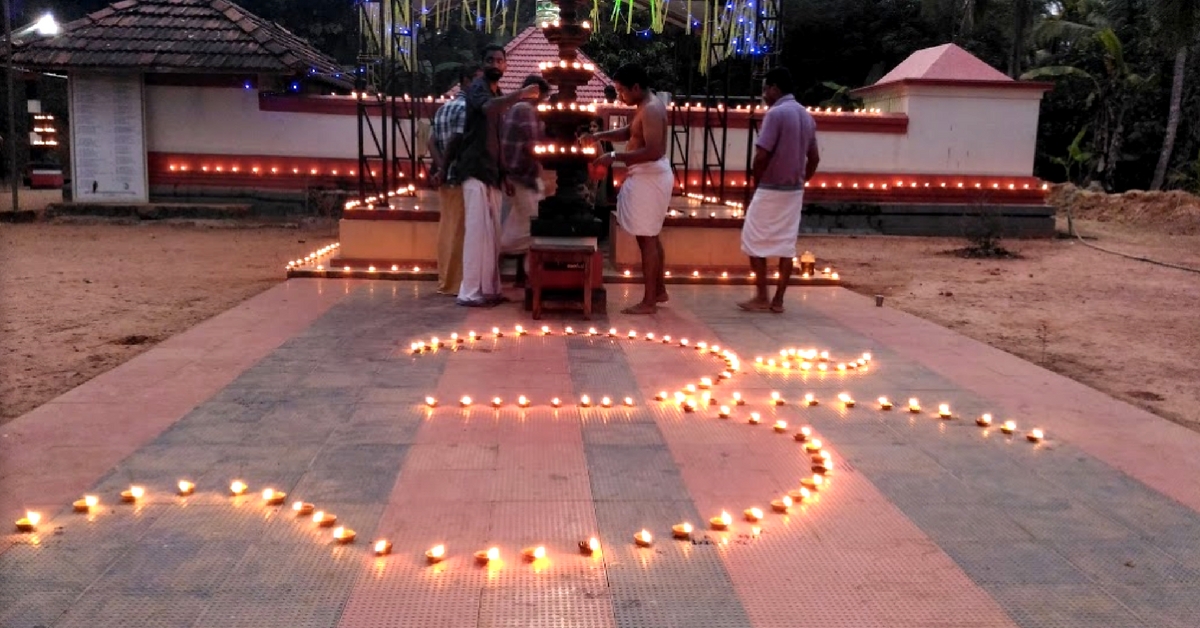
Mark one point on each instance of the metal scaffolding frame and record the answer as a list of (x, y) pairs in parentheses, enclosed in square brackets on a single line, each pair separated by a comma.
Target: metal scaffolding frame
[(387, 63), (388, 119)]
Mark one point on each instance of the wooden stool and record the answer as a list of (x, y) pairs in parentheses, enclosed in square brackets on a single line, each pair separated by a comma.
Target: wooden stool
[(581, 252)]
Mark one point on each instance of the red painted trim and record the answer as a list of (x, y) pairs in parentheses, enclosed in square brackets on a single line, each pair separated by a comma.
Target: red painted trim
[(848, 122), (273, 171), (1039, 86), (390, 214)]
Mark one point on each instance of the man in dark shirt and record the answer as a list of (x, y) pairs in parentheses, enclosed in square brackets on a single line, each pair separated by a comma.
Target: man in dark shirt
[(479, 166)]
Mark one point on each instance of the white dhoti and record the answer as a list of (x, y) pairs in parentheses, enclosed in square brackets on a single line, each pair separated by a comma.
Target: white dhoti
[(644, 197), (772, 223), (481, 242), (523, 209)]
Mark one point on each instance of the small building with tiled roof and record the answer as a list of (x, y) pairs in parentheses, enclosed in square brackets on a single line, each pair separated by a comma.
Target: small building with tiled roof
[(184, 36), (531, 47), (150, 78)]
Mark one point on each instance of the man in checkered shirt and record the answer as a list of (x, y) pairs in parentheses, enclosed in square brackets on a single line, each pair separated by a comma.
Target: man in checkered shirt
[(444, 141)]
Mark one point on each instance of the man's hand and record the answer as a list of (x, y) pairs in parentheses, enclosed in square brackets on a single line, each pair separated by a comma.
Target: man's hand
[(531, 92), (435, 179), (603, 161), (587, 140)]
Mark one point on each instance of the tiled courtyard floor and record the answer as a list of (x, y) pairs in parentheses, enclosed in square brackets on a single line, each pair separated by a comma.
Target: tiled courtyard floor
[(310, 388)]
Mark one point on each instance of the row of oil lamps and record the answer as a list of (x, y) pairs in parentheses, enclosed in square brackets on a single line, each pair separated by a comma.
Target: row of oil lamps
[(271, 497)]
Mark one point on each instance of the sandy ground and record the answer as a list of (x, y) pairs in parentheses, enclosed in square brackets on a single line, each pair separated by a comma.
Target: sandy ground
[(78, 300)]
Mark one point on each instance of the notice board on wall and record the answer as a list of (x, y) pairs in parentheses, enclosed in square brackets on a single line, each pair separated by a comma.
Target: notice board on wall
[(108, 139)]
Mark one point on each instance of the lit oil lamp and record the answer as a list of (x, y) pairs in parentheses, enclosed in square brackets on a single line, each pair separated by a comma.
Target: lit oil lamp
[(632, 335), (822, 367), (455, 339), (776, 399), (690, 388), (343, 535), (431, 402), (944, 411), (706, 399), (273, 497), (683, 342), (1035, 436), (589, 547), (556, 402), (799, 495), (302, 509), (682, 531), (813, 446), (435, 342), (324, 519), (803, 434), (643, 538), (29, 522), (519, 330), (383, 547), (914, 405), (585, 401), (737, 399), (780, 426), (570, 331), (612, 332), (486, 556), (472, 335), (689, 405), (545, 330), (666, 340), (755, 418), (497, 402), (465, 401), (533, 553), (132, 494), (680, 397), (724, 412), (238, 487), (725, 375), (721, 522), (1008, 427), (435, 554), (885, 403), (706, 382), (758, 359), (984, 420), (86, 504), (649, 336), (846, 400), (629, 402), (661, 396), (814, 483), (497, 333), (782, 505), (591, 331), (753, 514), (841, 367), (606, 402), (186, 488), (523, 401)]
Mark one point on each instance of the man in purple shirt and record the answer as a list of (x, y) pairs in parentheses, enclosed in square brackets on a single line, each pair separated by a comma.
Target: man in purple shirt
[(787, 156)]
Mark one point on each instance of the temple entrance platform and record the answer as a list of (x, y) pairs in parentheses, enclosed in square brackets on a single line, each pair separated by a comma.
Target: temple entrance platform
[(320, 389)]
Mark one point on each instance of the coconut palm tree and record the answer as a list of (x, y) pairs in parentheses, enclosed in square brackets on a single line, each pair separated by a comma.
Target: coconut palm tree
[(1177, 23)]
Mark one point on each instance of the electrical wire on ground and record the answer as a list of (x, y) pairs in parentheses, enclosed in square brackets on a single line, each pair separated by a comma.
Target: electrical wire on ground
[(1139, 258)]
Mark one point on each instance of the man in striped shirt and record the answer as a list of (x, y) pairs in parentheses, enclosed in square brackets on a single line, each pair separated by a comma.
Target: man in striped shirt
[(443, 145)]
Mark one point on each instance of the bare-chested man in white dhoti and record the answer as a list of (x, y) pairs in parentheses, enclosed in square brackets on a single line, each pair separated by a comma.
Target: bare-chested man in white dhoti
[(646, 191)]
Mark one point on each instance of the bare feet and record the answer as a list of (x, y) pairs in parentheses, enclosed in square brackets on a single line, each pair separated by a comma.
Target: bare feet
[(640, 309), (754, 305), (662, 297), (777, 308)]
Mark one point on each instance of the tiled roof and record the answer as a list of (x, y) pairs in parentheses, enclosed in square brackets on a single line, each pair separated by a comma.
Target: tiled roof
[(947, 62), (526, 50), (210, 36)]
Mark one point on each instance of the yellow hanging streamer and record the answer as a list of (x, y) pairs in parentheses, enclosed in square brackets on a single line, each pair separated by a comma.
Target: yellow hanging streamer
[(516, 16)]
